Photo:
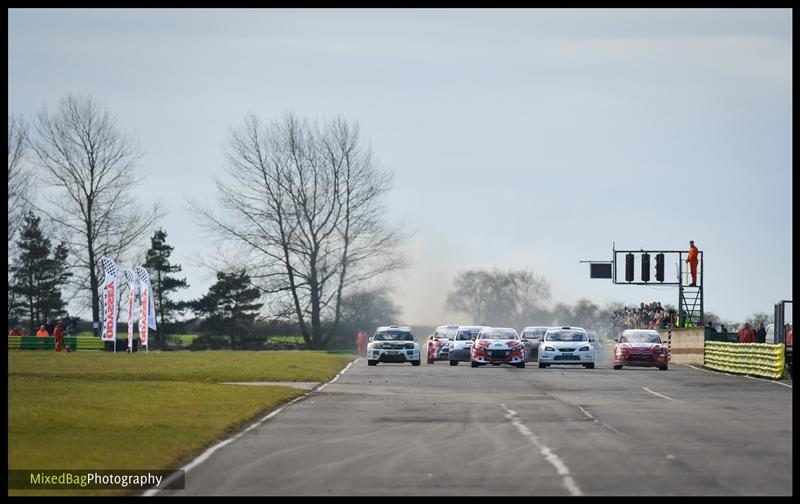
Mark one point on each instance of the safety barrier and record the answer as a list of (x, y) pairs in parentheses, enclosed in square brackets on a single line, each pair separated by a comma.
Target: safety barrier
[(758, 359), (49, 342)]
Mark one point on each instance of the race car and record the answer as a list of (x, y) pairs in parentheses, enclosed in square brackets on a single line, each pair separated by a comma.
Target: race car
[(461, 344), (640, 347), (497, 345), (439, 343), (393, 344), (566, 345), (531, 338)]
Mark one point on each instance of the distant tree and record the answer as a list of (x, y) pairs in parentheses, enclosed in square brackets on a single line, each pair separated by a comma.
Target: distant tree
[(760, 318), (367, 309), (19, 176), (229, 308), (158, 266), (513, 298), (39, 272), (92, 164)]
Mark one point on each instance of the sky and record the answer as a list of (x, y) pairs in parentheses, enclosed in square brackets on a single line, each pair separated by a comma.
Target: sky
[(518, 138)]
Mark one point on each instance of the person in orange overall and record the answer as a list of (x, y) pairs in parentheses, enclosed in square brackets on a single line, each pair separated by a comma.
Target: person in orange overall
[(692, 260), (58, 332), (361, 342), (42, 332), (746, 334)]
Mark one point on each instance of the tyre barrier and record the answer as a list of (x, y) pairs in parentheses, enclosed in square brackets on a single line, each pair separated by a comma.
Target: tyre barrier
[(757, 359), (49, 342)]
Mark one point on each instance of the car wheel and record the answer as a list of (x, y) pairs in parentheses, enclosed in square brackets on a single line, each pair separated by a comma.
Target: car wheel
[(430, 361), (542, 365), (521, 365), (415, 362), (473, 363), (589, 366), (662, 368), (454, 363), (372, 363), (619, 366)]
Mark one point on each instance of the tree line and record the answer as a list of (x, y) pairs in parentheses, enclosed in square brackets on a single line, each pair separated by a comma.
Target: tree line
[(303, 202)]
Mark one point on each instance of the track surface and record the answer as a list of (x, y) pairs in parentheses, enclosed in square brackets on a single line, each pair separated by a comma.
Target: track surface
[(395, 429)]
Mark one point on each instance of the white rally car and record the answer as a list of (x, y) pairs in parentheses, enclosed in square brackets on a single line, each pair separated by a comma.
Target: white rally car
[(566, 345), (461, 344), (393, 344)]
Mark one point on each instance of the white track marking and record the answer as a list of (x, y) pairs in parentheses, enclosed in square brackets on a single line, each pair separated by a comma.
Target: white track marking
[(741, 376), (206, 454), (545, 450), (337, 376), (598, 421), (659, 395)]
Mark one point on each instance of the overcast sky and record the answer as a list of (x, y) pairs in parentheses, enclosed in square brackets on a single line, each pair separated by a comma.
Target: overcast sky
[(518, 138)]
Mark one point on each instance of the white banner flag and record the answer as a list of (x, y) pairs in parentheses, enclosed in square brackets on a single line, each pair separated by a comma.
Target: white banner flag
[(147, 314), (110, 297), (133, 284)]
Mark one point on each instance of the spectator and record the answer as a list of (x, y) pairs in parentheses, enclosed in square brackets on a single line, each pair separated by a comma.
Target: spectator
[(722, 328), (712, 332), (58, 332), (789, 335), (761, 333), (691, 258), (42, 332), (746, 334), (16, 331)]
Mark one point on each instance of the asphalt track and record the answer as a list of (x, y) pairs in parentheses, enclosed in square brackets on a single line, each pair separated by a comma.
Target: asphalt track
[(400, 430)]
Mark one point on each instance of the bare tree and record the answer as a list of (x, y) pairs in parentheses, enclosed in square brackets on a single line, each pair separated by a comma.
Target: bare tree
[(19, 176), (305, 201), (514, 298), (91, 163)]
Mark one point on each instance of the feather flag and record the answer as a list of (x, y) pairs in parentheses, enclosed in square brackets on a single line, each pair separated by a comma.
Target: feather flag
[(133, 285), (110, 295), (147, 314)]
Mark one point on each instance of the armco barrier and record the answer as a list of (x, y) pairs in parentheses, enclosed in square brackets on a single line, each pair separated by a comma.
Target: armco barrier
[(49, 342), (758, 359)]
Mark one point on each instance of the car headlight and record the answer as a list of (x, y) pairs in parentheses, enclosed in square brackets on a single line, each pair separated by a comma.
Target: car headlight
[(409, 345), (549, 349), (377, 345), (583, 349), (519, 346)]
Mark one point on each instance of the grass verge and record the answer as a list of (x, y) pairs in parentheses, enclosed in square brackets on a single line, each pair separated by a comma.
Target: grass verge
[(99, 410)]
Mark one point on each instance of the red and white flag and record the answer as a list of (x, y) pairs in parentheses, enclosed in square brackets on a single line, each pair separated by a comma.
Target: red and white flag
[(147, 314), (110, 296), (133, 285)]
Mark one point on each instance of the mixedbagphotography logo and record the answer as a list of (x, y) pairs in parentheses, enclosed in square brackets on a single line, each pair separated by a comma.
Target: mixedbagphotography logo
[(67, 479)]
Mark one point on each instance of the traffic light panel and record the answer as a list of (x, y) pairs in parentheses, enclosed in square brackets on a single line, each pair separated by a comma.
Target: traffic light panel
[(660, 267), (645, 267), (629, 267)]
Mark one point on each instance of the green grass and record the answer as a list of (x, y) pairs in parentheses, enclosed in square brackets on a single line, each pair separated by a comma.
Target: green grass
[(101, 410), (209, 366), (286, 339)]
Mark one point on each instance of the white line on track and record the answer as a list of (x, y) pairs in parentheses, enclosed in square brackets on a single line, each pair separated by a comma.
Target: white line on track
[(659, 395), (741, 376), (598, 421), (206, 454), (545, 450)]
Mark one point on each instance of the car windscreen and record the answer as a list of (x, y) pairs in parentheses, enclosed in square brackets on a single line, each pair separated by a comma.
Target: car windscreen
[(640, 337), (566, 336), (467, 335), (497, 334), (534, 333), (394, 336)]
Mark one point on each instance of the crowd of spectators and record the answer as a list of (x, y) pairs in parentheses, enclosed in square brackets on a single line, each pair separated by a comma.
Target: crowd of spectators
[(646, 316)]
